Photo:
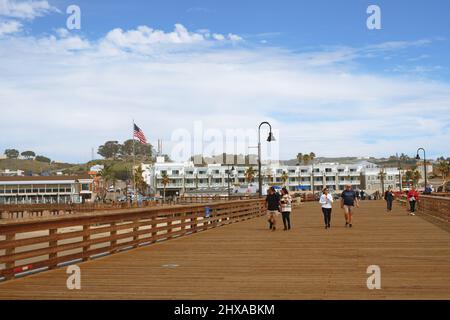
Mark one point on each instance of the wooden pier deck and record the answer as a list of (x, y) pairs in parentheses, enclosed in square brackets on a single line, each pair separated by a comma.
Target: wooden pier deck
[(245, 260)]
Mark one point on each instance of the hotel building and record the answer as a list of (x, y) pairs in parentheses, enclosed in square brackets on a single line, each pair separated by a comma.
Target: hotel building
[(185, 177)]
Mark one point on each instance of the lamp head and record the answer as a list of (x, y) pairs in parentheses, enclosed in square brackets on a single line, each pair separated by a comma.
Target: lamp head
[(271, 137), (417, 157)]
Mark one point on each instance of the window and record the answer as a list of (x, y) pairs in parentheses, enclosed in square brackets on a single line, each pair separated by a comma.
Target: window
[(304, 171), (328, 170), (85, 187)]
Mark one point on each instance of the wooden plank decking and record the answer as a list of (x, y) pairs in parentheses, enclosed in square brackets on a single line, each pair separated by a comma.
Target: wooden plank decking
[(247, 261)]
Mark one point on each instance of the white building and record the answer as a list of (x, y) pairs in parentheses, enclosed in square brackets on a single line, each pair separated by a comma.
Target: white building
[(45, 189), (11, 173), (185, 177)]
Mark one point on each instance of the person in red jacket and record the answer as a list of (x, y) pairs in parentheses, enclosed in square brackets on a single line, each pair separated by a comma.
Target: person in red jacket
[(412, 198)]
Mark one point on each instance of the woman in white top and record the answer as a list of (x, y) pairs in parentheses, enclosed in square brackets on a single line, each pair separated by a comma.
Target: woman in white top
[(326, 200), (286, 208)]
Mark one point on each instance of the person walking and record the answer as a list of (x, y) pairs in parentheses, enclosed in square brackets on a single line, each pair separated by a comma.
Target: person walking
[(286, 208), (348, 202), (389, 197), (273, 207), (326, 200), (412, 198)]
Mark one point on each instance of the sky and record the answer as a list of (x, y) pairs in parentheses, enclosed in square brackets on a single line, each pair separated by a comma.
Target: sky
[(313, 69)]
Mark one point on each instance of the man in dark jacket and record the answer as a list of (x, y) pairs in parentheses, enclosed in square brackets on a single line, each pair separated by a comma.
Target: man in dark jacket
[(389, 197)]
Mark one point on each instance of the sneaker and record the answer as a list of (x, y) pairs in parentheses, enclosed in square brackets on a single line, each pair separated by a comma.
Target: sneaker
[(349, 225), (329, 226), (413, 214), (346, 224)]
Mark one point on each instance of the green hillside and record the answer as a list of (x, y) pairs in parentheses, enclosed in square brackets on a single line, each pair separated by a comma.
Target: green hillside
[(34, 166)]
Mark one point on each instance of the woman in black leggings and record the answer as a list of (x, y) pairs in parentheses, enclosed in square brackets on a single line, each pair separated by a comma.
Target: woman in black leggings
[(326, 200)]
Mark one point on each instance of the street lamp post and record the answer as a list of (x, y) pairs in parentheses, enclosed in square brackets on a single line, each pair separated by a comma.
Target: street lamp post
[(269, 139), (424, 165)]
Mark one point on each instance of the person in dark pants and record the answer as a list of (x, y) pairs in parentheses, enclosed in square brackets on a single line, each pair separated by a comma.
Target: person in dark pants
[(412, 198), (326, 200), (389, 197), (286, 208), (272, 206)]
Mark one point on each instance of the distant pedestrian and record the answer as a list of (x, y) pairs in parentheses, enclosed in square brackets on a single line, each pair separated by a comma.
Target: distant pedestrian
[(412, 198), (286, 208), (362, 194), (326, 200), (273, 207), (389, 197), (348, 202)]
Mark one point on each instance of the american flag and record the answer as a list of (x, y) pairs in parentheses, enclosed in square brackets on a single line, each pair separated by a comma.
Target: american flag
[(138, 133)]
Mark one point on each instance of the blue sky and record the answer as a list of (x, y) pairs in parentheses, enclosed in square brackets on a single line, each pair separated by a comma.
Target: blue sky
[(310, 67)]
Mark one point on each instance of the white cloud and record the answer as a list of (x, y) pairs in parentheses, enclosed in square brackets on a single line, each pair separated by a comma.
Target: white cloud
[(67, 94), (9, 27), (25, 9), (234, 37)]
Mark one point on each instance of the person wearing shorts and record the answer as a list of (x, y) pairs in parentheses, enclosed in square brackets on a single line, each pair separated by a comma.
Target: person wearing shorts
[(348, 202), (273, 207)]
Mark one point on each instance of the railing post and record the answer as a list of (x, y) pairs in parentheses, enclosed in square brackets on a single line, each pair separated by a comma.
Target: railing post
[(154, 233), (9, 266), (135, 233), (52, 246), (113, 233), (86, 238)]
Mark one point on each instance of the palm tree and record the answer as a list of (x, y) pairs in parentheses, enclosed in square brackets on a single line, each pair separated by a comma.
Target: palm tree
[(139, 181), (299, 158), (416, 177), (108, 176), (408, 176), (250, 174), (382, 177), (312, 156), (165, 181), (443, 168), (284, 177), (306, 158)]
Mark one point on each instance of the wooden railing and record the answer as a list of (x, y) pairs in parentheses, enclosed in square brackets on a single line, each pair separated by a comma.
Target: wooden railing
[(215, 198), (438, 207), (37, 244), (18, 211), (435, 206)]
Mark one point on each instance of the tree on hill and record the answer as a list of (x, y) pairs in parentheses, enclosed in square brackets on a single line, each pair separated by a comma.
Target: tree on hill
[(12, 153), (43, 159), (141, 150), (109, 150), (28, 154)]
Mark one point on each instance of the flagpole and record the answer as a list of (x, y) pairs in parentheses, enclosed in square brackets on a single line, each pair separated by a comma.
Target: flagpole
[(134, 163)]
